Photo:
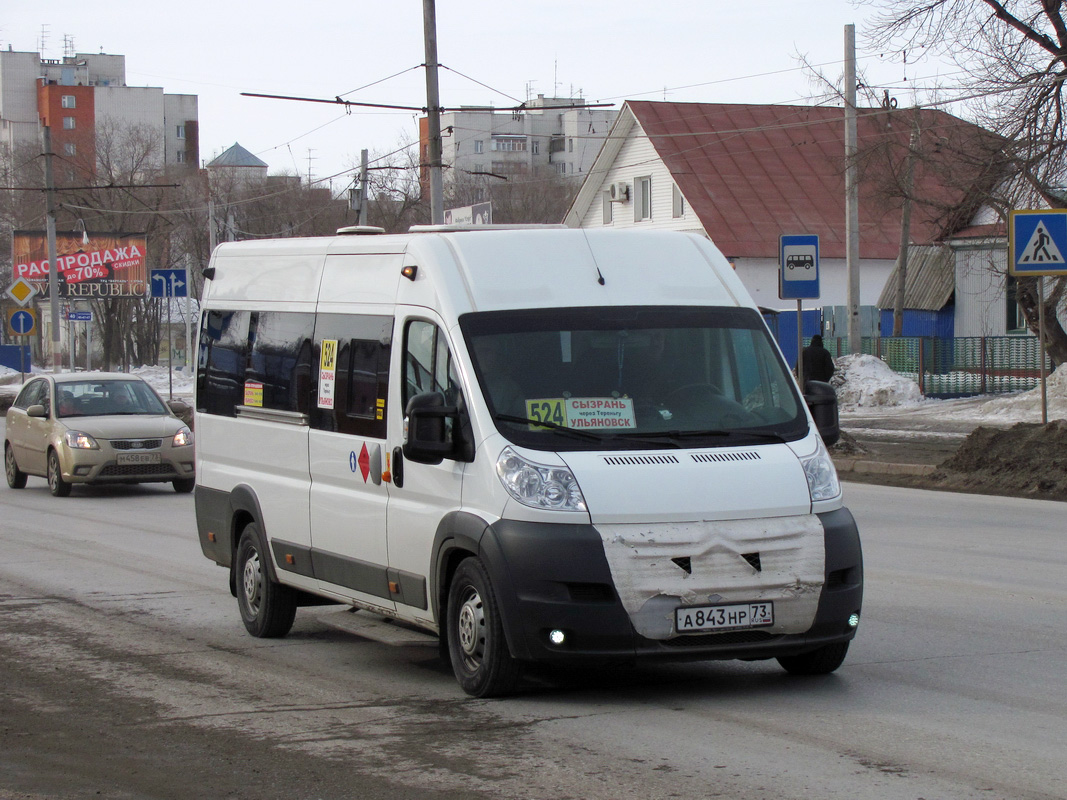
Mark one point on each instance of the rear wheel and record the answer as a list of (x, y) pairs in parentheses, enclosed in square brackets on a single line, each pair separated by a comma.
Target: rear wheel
[(821, 661), (479, 652), (267, 608), (184, 485), (16, 478), (56, 485)]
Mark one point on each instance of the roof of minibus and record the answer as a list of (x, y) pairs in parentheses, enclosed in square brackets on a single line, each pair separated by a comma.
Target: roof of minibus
[(495, 269)]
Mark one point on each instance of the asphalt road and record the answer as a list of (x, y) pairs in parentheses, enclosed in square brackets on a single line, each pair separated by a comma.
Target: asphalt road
[(125, 673)]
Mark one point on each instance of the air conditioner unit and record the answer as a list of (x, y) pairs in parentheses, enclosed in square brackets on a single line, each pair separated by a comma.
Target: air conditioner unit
[(620, 192)]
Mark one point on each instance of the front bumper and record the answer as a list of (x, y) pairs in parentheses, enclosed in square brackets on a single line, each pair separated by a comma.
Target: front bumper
[(556, 577), (102, 465)]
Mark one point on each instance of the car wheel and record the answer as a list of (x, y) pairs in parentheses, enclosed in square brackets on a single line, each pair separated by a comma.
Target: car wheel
[(479, 652), (16, 478), (56, 485), (821, 661), (267, 608), (184, 485)]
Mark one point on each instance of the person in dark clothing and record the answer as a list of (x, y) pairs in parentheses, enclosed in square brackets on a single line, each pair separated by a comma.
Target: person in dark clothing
[(818, 363)]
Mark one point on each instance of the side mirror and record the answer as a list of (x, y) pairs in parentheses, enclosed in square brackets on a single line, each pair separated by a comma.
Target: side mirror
[(822, 402), (426, 439), (37, 410)]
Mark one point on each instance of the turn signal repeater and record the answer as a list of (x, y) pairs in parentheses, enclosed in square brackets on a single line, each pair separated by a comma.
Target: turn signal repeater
[(410, 272)]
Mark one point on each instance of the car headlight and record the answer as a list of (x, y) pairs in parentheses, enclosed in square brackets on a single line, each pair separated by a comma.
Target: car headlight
[(182, 438), (821, 474), (80, 441), (537, 485)]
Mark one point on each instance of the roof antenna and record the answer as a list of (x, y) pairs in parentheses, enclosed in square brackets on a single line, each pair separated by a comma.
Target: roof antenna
[(599, 277)]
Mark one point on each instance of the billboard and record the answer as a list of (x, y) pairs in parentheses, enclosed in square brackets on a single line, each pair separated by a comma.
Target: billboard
[(110, 265)]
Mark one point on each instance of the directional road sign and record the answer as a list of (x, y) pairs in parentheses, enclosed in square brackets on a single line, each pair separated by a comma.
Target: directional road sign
[(1037, 242), (798, 267), (169, 283), (80, 316), (22, 321)]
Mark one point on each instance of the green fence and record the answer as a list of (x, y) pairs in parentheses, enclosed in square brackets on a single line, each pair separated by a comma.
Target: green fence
[(957, 367)]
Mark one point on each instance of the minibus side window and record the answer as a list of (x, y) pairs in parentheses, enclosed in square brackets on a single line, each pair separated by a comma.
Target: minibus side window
[(428, 365), (222, 360), (280, 358), (362, 380)]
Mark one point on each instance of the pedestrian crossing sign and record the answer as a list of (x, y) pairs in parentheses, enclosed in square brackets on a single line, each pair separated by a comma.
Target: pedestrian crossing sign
[(1037, 242)]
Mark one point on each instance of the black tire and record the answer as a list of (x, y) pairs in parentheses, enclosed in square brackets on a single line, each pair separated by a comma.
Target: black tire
[(16, 478), (267, 608), (183, 485), (477, 648), (821, 661), (56, 485)]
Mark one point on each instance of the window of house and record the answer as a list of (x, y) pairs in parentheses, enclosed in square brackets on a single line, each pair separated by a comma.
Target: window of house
[(1014, 319), (180, 131), (509, 144), (535, 147), (180, 156), (570, 145), (68, 101), (70, 149), (479, 146), (643, 198), (677, 203), (69, 123)]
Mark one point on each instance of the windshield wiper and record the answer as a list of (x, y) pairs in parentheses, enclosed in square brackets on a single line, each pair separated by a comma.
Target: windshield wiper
[(552, 425)]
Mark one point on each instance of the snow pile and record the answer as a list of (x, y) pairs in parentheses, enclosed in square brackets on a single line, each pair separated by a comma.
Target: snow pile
[(1026, 406), (862, 380), (182, 381)]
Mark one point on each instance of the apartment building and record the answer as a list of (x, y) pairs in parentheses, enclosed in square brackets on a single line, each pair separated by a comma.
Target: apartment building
[(556, 132), (81, 95)]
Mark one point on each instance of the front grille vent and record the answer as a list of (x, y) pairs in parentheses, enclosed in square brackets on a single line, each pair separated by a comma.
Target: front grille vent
[(709, 458), (635, 461), (136, 444), (712, 639)]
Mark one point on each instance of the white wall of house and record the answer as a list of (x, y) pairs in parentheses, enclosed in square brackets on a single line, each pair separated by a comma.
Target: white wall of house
[(18, 98), (178, 109), (760, 276)]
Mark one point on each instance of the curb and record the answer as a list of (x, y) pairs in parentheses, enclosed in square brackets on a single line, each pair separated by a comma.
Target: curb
[(882, 468)]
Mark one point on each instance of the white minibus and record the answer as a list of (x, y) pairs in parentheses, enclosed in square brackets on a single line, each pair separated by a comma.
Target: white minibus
[(539, 444)]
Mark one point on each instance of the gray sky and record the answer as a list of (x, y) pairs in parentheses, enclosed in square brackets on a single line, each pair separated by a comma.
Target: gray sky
[(500, 53)]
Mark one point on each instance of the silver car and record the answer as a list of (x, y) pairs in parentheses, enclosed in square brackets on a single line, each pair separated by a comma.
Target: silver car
[(95, 428)]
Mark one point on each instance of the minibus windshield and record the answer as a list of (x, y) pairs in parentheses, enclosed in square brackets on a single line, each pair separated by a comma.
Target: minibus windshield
[(633, 377)]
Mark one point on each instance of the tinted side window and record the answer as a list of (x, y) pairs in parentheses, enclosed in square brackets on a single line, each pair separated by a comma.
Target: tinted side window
[(32, 393), (428, 365), (361, 382), (280, 358), (221, 361)]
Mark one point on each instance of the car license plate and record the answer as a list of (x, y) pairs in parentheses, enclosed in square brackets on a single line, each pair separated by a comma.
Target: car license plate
[(137, 458), (723, 618)]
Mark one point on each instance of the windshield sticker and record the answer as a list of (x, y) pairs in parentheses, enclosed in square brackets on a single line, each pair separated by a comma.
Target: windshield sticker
[(588, 413), (327, 372), (254, 394)]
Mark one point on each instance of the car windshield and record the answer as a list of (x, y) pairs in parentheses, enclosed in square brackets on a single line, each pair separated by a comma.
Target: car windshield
[(94, 398), (633, 377)]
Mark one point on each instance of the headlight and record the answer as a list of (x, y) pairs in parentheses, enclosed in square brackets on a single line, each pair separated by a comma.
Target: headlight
[(821, 474), (80, 441), (537, 485), (182, 438)]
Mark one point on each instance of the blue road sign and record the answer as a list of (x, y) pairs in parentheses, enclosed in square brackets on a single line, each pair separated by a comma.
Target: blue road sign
[(23, 322), (80, 316), (1037, 242), (798, 267), (169, 283)]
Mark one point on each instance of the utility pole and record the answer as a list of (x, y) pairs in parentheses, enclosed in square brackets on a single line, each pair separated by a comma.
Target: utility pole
[(363, 187), (433, 113), (852, 210), (50, 228)]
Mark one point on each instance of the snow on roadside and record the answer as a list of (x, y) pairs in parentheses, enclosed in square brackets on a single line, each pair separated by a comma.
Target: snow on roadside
[(156, 377), (865, 381)]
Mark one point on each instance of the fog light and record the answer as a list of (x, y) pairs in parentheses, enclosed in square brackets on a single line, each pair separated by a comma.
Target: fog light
[(854, 620), (557, 637)]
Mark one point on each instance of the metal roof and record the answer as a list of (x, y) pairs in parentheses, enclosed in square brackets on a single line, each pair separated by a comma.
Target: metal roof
[(754, 172), (929, 279), (237, 156)]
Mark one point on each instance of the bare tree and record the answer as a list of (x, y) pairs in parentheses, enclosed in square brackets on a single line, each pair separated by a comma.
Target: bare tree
[(1012, 55)]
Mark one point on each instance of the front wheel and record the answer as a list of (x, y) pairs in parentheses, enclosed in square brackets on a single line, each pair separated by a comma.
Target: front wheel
[(267, 608), (821, 661), (183, 485), (478, 650), (56, 485), (16, 478)]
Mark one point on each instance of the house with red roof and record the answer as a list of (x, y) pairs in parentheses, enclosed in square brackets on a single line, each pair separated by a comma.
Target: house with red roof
[(743, 175)]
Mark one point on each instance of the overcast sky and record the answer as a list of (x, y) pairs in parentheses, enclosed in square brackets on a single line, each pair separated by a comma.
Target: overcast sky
[(500, 53)]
